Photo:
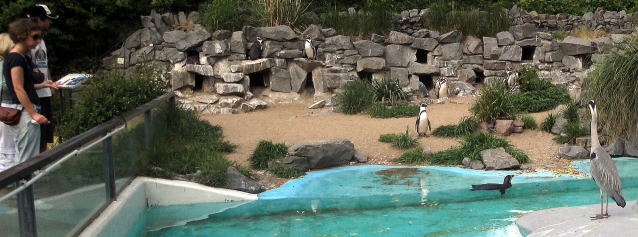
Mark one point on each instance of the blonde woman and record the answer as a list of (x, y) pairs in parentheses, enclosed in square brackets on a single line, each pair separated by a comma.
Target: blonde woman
[(7, 147)]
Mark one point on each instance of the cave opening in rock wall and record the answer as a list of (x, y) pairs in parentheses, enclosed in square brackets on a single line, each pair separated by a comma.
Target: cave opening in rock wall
[(586, 61), (363, 75), (427, 80), (528, 53), (480, 75), (199, 82), (192, 57), (421, 56), (258, 80), (309, 84)]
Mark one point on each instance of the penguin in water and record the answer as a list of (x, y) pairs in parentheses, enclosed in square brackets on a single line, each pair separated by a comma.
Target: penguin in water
[(507, 183), (310, 49), (443, 88), (256, 49), (422, 121)]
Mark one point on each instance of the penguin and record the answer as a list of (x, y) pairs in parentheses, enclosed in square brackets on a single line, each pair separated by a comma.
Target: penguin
[(507, 183), (512, 81), (422, 121), (309, 49), (443, 89), (256, 49)]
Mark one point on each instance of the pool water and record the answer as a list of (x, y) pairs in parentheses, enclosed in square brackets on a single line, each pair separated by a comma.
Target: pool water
[(385, 201)]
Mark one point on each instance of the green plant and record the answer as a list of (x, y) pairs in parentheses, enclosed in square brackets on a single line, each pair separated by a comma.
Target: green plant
[(494, 103), (585, 32), (446, 16), (213, 172), (402, 141), (110, 94), (572, 130), (379, 110), (543, 100), (245, 171), (612, 85), (265, 152), (466, 126), (388, 92), (571, 113), (373, 17), (574, 6), (548, 123), (230, 14), (356, 97), (285, 172), (529, 80), (529, 122), (559, 34), (284, 12)]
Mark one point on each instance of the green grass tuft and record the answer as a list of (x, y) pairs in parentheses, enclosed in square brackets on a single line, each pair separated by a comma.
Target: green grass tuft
[(286, 172), (445, 16), (529, 122), (466, 126), (401, 141), (548, 123), (494, 103), (355, 98), (571, 113), (265, 152), (572, 130)]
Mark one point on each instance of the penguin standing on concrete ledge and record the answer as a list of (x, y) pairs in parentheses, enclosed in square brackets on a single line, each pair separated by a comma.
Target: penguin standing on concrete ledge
[(309, 49), (422, 121), (443, 88), (256, 49), (507, 183)]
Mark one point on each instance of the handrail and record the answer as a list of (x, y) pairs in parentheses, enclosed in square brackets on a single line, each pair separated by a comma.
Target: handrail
[(25, 169)]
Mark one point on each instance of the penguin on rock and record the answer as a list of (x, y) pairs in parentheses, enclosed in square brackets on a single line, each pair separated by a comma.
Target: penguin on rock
[(256, 49), (309, 49)]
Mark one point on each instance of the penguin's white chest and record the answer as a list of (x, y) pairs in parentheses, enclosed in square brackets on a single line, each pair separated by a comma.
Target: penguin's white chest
[(443, 91), (308, 50), (423, 122)]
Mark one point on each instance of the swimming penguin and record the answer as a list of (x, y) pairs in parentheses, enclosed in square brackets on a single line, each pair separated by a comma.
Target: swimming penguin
[(507, 183), (309, 49), (256, 49), (422, 121), (443, 89)]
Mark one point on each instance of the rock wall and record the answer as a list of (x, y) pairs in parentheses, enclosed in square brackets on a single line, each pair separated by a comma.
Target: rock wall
[(216, 62)]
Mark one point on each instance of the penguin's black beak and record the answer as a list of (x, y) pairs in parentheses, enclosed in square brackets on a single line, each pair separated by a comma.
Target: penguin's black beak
[(592, 104)]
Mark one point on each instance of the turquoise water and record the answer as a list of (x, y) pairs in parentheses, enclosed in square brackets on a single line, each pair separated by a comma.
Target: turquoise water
[(385, 201)]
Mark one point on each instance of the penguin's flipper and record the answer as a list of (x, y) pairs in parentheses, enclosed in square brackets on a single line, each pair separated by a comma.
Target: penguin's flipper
[(502, 190), (416, 126), (429, 125)]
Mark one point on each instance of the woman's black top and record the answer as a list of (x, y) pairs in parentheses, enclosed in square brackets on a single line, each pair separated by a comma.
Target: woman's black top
[(30, 78)]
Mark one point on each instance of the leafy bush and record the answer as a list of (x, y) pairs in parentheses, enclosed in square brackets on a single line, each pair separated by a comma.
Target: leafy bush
[(356, 97), (213, 172), (110, 94), (285, 172), (543, 100), (471, 146), (494, 103), (373, 17), (548, 123), (265, 152), (559, 34), (230, 14), (379, 110), (529, 80), (577, 7), (572, 130), (284, 12), (401, 141), (571, 113), (529, 122), (388, 92), (466, 126), (612, 84), (446, 16)]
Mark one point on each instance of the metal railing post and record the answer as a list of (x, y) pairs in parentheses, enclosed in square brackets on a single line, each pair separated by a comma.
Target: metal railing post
[(26, 213), (148, 128), (109, 173)]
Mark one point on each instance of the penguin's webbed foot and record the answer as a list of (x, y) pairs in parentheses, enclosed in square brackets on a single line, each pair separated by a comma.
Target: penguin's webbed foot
[(598, 217)]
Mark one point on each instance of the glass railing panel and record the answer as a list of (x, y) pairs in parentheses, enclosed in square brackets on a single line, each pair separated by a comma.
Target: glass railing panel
[(68, 196), (128, 145), (9, 225)]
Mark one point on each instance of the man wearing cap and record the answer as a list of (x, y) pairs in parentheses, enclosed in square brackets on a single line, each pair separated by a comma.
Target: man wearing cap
[(41, 15)]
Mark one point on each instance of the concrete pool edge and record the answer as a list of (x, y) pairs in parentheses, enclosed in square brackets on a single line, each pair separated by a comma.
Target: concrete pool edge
[(121, 215), (574, 221)]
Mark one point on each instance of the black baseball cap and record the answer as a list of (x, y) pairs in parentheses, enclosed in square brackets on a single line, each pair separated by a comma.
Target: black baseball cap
[(41, 10)]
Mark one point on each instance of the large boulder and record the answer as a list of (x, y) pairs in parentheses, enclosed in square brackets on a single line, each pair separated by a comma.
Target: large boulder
[(504, 127), (428, 44), (340, 42), (204, 70), (490, 48), (370, 64), (524, 31), (298, 162), (238, 42), (400, 74), (238, 181), (216, 48), (280, 80), (422, 69), (277, 33), (194, 37), (505, 38), (297, 77), (229, 88), (325, 153), (399, 55), (251, 66), (368, 48), (573, 152), (512, 53), (576, 46), (461, 88), (631, 147), (451, 51), (472, 45), (451, 37), (396, 37), (314, 32), (498, 159), (616, 147)]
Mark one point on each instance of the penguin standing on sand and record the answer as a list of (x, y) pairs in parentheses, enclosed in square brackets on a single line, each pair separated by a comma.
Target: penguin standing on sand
[(443, 88), (309, 49), (422, 121), (256, 49)]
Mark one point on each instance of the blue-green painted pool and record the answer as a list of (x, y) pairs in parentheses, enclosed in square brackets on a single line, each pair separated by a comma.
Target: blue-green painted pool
[(385, 201)]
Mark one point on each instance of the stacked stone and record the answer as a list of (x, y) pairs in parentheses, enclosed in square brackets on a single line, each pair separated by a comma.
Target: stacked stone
[(618, 22), (410, 21)]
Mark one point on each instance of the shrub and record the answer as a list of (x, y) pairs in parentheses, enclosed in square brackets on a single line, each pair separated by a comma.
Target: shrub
[(373, 17), (612, 84), (574, 6), (446, 16), (356, 97), (284, 12), (572, 130), (402, 141), (548, 123), (466, 126), (559, 34), (213, 172), (110, 94), (379, 110), (286, 172), (265, 152), (571, 113), (584, 32), (230, 14), (529, 122), (388, 92), (529, 80), (494, 103), (543, 100)]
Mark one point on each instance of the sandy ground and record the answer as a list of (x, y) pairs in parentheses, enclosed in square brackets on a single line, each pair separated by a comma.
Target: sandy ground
[(291, 123)]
